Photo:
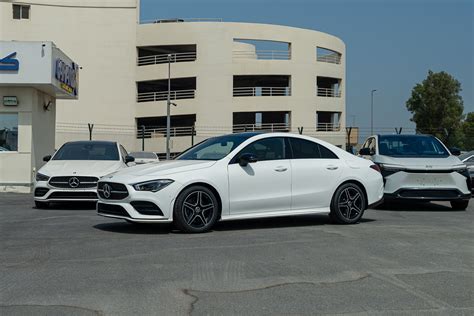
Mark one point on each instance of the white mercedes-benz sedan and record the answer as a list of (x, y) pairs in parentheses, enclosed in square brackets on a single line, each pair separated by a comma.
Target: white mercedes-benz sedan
[(71, 174), (243, 176)]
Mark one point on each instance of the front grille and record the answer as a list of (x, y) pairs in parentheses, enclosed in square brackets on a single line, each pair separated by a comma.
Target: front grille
[(146, 208), (73, 195), (112, 191), (72, 182), (41, 191), (111, 209), (429, 193)]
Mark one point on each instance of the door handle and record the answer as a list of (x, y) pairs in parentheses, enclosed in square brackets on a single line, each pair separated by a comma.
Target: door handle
[(281, 169), (331, 167)]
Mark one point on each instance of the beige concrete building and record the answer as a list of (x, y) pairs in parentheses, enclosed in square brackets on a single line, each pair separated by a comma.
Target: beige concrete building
[(225, 77)]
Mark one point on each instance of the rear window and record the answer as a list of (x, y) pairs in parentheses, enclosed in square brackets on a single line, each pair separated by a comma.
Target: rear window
[(143, 155), (87, 151), (305, 149), (411, 146)]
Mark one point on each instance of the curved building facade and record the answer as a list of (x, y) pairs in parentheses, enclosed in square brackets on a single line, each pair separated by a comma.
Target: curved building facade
[(231, 77)]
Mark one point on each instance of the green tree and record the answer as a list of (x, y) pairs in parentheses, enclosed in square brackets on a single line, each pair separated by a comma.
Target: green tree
[(437, 107), (468, 131)]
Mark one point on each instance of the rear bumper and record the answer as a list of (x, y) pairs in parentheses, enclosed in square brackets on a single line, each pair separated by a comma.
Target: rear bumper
[(427, 194)]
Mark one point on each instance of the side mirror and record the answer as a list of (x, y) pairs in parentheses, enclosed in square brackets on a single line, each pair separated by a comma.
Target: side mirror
[(129, 159), (47, 158), (455, 151), (246, 158), (365, 152)]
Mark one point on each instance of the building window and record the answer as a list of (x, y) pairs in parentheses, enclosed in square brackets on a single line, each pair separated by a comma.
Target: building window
[(21, 12), (8, 132)]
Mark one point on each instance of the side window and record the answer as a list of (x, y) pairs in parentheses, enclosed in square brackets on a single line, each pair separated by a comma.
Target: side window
[(266, 149), (326, 153), (366, 144), (304, 149)]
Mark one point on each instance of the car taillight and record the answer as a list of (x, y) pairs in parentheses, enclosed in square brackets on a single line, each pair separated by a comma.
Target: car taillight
[(376, 168)]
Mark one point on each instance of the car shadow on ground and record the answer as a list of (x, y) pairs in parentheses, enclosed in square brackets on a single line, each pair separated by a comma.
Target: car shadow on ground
[(416, 206), (247, 224)]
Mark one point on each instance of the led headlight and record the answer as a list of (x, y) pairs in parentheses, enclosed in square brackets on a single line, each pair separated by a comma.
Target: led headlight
[(41, 177), (153, 185)]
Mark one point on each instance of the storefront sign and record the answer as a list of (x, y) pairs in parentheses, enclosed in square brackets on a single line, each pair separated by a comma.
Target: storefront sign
[(67, 75), (9, 63), (10, 101)]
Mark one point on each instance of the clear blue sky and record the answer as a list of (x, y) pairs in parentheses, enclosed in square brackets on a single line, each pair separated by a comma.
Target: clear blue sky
[(390, 45)]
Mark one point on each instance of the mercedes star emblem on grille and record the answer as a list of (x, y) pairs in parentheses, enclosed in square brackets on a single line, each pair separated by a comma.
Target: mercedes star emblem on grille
[(74, 182), (107, 191)]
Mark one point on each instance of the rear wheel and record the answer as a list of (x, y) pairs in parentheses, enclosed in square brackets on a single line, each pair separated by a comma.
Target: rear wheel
[(460, 205), (348, 204), (41, 205), (196, 210)]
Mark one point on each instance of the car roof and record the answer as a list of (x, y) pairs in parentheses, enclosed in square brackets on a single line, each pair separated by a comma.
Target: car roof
[(85, 142)]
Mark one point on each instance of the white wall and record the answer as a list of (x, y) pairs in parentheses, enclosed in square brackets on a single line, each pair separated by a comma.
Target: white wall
[(99, 35)]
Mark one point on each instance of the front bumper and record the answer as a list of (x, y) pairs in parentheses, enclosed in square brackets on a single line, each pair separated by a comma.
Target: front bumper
[(427, 186), (140, 206), (48, 194), (423, 194)]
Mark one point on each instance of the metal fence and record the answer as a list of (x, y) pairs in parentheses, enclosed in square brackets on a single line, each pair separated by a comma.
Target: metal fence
[(261, 91), (163, 58), (163, 95), (262, 54), (328, 92)]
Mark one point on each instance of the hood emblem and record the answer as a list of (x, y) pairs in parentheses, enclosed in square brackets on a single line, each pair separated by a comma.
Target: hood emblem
[(74, 182), (107, 191), (429, 167)]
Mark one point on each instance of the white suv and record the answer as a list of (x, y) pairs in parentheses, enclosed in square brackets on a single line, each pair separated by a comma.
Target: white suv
[(71, 174), (419, 167)]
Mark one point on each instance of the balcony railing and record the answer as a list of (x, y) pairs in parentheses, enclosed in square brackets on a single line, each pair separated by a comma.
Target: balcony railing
[(328, 127), (157, 132), (271, 127), (333, 59), (328, 92), (163, 58), (163, 95), (261, 91), (262, 54)]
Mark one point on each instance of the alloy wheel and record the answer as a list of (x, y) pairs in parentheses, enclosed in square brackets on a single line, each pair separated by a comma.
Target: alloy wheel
[(350, 203), (198, 209)]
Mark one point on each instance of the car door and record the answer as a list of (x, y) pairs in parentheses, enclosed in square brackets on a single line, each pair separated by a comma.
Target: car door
[(315, 173), (262, 186)]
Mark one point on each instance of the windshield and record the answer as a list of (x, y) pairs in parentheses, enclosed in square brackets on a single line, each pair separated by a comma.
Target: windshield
[(87, 151), (214, 148), (411, 146), (143, 154)]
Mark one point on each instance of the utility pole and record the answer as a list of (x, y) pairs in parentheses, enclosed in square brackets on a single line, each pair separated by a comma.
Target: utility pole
[(372, 112), (168, 110)]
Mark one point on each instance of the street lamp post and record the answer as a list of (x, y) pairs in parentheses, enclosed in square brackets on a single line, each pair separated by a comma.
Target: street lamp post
[(372, 112), (168, 110)]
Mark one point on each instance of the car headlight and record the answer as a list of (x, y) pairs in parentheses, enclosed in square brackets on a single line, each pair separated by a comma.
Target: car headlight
[(153, 185), (41, 177)]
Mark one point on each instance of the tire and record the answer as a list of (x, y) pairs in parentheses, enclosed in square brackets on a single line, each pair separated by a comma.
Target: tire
[(41, 205), (460, 205), (348, 204), (196, 210)]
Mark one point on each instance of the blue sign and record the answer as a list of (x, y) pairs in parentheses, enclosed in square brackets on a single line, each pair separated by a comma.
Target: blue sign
[(67, 75), (9, 63)]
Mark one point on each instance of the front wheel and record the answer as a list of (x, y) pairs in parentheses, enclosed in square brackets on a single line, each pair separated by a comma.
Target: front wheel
[(348, 204), (460, 205), (196, 210)]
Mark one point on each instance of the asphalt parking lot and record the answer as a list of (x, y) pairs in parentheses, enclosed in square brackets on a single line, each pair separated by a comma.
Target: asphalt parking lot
[(404, 260)]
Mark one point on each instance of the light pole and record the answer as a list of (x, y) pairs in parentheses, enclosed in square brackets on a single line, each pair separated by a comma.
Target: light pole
[(168, 110), (372, 112)]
